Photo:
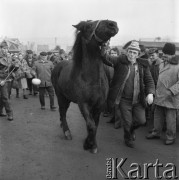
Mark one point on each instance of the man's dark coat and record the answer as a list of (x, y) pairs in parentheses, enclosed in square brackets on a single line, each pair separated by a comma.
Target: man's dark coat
[(121, 68)]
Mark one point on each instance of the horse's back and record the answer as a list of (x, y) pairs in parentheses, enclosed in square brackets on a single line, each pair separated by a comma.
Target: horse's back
[(58, 70), (61, 79)]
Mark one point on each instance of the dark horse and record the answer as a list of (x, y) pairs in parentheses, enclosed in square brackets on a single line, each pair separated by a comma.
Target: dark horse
[(83, 80)]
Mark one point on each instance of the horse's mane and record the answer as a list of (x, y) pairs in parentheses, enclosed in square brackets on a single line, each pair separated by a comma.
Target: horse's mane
[(77, 52)]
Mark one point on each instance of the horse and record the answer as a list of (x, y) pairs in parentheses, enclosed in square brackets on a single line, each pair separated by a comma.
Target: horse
[(83, 80)]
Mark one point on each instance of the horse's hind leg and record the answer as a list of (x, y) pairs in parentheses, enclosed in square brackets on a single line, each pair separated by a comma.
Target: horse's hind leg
[(90, 141), (63, 107)]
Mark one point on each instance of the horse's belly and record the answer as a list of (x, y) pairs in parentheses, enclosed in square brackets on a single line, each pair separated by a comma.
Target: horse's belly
[(77, 90)]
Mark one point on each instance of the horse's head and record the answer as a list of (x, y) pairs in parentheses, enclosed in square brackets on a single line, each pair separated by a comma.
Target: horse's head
[(102, 30)]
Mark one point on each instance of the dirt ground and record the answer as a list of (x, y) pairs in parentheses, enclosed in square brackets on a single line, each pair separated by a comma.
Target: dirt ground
[(32, 147)]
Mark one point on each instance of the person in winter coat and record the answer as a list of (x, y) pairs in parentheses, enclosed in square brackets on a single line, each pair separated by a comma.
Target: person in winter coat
[(5, 75), (131, 88), (116, 114), (30, 59), (155, 62), (167, 95), (42, 69), (20, 82)]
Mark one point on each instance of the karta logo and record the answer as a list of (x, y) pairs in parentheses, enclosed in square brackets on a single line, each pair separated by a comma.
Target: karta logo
[(116, 170)]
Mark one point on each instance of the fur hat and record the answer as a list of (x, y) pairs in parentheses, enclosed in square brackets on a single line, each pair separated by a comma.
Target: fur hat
[(169, 48), (3, 44), (134, 46), (43, 54)]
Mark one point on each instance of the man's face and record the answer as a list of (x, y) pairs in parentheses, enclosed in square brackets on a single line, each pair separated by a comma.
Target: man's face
[(20, 56), (113, 53), (153, 57), (132, 55), (44, 58), (4, 50), (30, 56), (166, 57)]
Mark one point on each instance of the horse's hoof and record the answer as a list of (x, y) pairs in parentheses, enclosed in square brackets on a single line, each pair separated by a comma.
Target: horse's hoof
[(68, 135), (94, 150)]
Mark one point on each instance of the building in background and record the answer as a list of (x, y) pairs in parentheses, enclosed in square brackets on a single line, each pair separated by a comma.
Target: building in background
[(157, 43), (41, 48)]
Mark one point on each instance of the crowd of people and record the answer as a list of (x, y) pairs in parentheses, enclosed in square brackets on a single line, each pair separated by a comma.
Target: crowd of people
[(17, 71), (144, 84)]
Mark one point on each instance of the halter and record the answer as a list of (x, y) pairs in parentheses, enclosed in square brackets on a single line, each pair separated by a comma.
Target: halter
[(94, 34)]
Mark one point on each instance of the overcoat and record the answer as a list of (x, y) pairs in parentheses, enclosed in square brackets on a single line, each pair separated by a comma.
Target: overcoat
[(167, 91), (43, 70)]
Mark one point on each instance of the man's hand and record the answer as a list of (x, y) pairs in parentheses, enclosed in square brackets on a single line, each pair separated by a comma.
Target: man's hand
[(150, 98), (13, 75), (2, 83)]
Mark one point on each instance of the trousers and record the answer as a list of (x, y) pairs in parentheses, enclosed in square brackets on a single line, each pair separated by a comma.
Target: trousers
[(162, 114), (4, 99), (133, 116), (51, 93)]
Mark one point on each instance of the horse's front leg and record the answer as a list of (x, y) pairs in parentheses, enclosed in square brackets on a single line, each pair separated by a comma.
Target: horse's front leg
[(90, 141)]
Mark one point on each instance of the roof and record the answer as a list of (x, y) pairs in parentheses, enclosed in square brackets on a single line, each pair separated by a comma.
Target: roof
[(14, 46), (157, 44)]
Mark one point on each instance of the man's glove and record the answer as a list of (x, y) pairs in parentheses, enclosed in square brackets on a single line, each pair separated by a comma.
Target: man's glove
[(150, 98), (2, 83)]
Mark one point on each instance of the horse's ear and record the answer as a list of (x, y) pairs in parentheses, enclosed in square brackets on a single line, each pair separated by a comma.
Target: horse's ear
[(79, 26), (74, 26)]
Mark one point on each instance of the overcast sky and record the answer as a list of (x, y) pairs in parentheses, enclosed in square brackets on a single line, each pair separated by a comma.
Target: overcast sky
[(27, 19)]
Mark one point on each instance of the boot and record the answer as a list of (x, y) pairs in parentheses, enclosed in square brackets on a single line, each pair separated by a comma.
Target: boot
[(169, 141), (53, 108), (25, 97), (17, 93), (10, 117), (129, 143), (117, 125)]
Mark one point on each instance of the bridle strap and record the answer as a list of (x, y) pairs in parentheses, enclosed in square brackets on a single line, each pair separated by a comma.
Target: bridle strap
[(94, 34)]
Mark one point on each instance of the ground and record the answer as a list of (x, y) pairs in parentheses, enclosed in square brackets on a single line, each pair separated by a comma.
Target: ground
[(32, 147)]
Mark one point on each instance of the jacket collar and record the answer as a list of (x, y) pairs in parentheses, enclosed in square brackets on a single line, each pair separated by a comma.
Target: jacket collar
[(164, 67), (173, 61)]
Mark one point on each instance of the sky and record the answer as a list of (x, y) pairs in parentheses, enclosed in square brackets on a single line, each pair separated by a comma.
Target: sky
[(35, 20)]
